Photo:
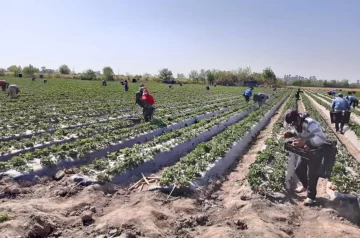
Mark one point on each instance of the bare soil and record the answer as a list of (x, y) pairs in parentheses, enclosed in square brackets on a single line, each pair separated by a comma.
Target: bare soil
[(227, 208)]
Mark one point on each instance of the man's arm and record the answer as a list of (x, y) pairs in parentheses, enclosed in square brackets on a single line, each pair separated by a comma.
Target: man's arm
[(333, 105), (347, 105)]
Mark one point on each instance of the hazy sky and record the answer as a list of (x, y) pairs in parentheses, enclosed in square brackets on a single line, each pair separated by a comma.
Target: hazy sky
[(307, 37)]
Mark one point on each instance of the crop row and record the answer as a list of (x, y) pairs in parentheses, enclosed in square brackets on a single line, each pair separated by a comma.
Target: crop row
[(65, 135), (118, 162), (342, 176), (193, 165), (79, 148), (9, 131), (79, 111), (353, 126), (329, 99), (268, 171)]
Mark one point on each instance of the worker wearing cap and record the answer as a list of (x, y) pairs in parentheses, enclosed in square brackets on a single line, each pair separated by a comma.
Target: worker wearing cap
[(340, 104), (310, 136), (247, 94)]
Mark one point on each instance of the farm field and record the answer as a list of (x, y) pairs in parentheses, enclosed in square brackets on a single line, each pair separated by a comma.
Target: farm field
[(74, 162)]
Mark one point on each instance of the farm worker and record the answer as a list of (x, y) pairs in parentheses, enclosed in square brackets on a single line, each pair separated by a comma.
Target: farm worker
[(146, 101), (247, 94), (13, 90), (333, 92), (310, 136), (104, 82), (126, 86), (4, 85), (297, 94), (260, 98), (353, 101), (340, 104)]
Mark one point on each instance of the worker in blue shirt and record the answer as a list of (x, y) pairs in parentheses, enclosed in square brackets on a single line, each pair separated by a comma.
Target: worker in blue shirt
[(247, 94), (354, 102), (340, 104)]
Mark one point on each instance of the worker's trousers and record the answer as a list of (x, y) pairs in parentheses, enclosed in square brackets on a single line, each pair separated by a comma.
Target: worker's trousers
[(307, 171), (148, 111), (247, 98), (261, 102), (12, 93)]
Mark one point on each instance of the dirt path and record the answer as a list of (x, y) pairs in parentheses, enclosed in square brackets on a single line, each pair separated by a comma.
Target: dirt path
[(235, 211), (355, 118), (349, 145)]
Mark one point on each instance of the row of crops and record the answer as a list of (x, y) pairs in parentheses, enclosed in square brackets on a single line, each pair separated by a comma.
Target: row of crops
[(197, 134), (49, 126), (268, 173)]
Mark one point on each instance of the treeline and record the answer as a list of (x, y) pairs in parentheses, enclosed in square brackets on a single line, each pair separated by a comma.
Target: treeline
[(325, 83), (220, 77)]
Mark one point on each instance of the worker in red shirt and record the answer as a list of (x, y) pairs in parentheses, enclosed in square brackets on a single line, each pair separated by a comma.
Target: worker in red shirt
[(146, 101), (3, 85)]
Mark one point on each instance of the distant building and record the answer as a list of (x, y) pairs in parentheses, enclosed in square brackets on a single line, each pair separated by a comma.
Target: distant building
[(358, 82), (250, 83)]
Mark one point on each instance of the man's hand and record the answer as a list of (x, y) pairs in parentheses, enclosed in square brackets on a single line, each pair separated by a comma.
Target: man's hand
[(298, 143)]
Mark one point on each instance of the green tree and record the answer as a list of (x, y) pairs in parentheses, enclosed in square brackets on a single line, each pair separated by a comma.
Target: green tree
[(202, 75), (15, 69), (2, 72), (180, 76), (194, 75), (210, 77), (88, 75), (165, 74), (64, 69), (108, 73), (30, 70), (147, 76), (269, 75)]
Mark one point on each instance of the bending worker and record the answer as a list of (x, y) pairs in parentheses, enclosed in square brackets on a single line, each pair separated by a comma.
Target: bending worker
[(353, 101), (310, 136), (297, 94), (3, 85), (260, 98), (340, 104), (145, 100), (13, 90), (247, 94)]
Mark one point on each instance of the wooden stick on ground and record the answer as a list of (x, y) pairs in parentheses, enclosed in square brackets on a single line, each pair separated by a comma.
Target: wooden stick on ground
[(141, 187), (145, 179), (136, 184), (170, 193)]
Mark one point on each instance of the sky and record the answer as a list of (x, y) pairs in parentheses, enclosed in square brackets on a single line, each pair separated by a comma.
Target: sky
[(309, 38)]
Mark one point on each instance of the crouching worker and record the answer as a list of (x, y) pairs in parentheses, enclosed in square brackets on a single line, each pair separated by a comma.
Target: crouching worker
[(260, 98), (309, 136), (353, 101), (104, 83), (247, 94), (145, 100), (13, 90), (3, 85)]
